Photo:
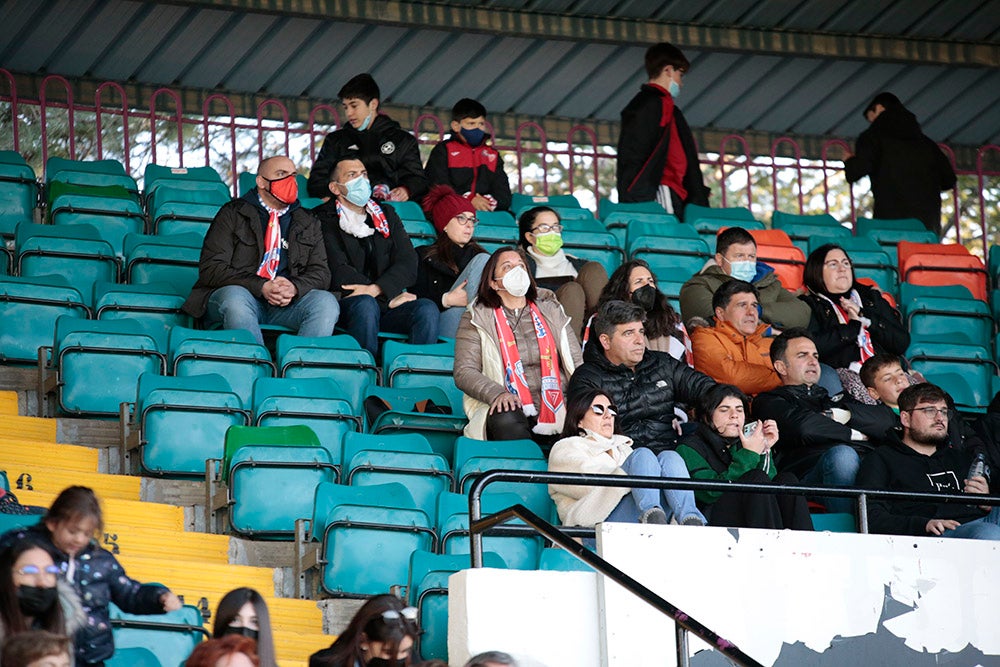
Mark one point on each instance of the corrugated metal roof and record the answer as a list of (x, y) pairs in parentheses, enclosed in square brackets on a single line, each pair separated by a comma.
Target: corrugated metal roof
[(795, 67)]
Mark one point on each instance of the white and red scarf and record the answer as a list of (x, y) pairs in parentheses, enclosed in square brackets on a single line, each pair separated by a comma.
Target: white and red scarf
[(378, 219), (272, 244), (553, 412), (865, 346)]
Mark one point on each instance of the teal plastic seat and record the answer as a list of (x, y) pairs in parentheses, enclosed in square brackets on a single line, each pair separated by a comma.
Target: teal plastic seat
[(519, 553), (181, 217), (406, 459), (560, 560), (18, 195), (163, 259), (406, 210), (673, 252), (232, 353), (54, 165), (314, 402), (945, 313), (869, 259), (155, 303), (888, 233), (596, 246), (114, 216), (358, 526), (618, 222), (439, 429), (15, 521), (190, 184), (99, 362), (735, 215), (474, 457), (170, 637), (835, 522), (135, 656), (519, 202), (491, 235), (965, 371), (427, 590), (606, 207), (34, 304), (497, 219), (420, 232), (266, 463), (804, 230), (77, 252), (183, 422), (338, 357), (407, 365)]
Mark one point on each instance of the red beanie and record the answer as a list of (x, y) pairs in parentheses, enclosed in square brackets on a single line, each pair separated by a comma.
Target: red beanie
[(442, 204)]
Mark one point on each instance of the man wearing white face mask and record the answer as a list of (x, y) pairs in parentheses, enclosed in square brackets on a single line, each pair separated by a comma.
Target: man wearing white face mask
[(514, 354), (736, 259), (372, 262)]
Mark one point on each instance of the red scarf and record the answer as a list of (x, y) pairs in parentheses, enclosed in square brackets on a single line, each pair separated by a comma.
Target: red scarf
[(378, 216), (272, 247), (550, 420), (865, 346)]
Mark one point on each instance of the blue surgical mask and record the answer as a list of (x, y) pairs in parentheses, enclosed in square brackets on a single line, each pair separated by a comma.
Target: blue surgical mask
[(745, 271), (366, 122), (473, 137), (674, 89), (359, 191)]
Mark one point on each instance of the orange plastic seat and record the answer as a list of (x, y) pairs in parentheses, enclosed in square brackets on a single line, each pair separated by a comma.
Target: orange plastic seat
[(942, 264), (885, 295), (774, 247)]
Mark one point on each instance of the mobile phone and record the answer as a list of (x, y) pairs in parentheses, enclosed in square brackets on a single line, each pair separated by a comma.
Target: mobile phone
[(749, 429)]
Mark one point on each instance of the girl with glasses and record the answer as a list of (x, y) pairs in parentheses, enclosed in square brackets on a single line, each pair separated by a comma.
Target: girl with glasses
[(592, 444), (381, 634)]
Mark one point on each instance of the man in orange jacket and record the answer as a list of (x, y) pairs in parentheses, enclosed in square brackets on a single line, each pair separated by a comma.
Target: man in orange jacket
[(735, 351)]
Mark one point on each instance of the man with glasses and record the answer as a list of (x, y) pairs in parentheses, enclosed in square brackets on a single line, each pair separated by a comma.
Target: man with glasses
[(372, 262), (922, 460)]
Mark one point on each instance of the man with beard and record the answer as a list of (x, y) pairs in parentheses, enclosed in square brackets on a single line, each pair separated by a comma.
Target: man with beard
[(921, 461)]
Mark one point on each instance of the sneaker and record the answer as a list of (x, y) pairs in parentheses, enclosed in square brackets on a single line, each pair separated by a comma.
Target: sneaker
[(693, 521), (654, 515)]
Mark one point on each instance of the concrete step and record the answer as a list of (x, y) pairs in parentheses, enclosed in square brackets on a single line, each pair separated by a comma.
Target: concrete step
[(29, 453), (120, 514), (8, 403)]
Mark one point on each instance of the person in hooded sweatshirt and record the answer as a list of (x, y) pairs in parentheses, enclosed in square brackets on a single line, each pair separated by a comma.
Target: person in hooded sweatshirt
[(390, 154), (908, 171)]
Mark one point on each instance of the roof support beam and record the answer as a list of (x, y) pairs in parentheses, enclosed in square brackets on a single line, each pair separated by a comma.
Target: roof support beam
[(616, 30)]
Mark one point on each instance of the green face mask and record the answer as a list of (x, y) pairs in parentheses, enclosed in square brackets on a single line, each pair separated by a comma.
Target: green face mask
[(549, 244)]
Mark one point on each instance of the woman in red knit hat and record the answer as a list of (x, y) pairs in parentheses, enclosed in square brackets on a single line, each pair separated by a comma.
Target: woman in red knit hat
[(450, 268)]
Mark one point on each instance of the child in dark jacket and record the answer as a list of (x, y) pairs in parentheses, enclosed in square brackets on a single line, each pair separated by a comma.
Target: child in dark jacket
[(67, 531)]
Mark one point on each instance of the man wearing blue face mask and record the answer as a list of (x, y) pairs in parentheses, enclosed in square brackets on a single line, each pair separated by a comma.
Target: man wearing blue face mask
[(390, 153), (657, 156), (736, 259), (466, 161), (372, 262)]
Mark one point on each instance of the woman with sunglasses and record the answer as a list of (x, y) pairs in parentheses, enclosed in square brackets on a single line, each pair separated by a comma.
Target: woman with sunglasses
[(381, 634), (591, 444), (449, 269), (32, 594)]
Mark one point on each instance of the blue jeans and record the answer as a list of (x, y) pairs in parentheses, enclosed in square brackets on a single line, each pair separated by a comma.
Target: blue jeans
[(473, 272), (829, 380), (837, 467), (362, 317), (234, 307), (678, 504), (986, 528)]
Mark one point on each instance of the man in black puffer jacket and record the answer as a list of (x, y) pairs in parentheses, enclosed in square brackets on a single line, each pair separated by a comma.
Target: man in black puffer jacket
[(643, 384)]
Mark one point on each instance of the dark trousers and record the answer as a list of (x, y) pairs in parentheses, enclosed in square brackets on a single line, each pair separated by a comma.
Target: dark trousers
[(515, 425), (737, 509)]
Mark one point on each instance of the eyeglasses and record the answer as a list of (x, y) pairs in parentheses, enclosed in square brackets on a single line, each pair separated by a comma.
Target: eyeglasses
[(545, 229), (834, 264), (932, 412), (49, 571), (409, 613), (467, 220), (599, 409)]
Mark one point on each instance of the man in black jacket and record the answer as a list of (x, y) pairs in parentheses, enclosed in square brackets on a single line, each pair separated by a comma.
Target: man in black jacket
[(372, 262), (922, 462), (821, 436), (263, 262), (390, 153), (908, 171), (644, 384), (657, 156)]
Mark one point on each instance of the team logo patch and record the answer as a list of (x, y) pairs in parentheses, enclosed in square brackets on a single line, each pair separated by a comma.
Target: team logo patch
[(388, 148), (490, 156)]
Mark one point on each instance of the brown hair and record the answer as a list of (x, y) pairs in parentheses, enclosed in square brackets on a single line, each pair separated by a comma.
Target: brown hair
[(206, 654), (23, 649), (488, 296), (75, 502)]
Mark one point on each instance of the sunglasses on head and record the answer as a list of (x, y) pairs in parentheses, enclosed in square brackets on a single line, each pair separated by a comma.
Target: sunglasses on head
[(599, 409), (409, 613)]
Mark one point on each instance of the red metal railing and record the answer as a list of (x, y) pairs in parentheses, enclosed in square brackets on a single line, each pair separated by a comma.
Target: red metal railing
[(558, 162)]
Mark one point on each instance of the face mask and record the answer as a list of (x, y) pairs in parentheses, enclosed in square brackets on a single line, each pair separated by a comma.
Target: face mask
[(473, 137), (384, 662), (366, 122), (245, 632), (674, 89), (359, 191), (516, 281), (744, 271), (645, 297), (549, 244), (36, 600), (285, 190)]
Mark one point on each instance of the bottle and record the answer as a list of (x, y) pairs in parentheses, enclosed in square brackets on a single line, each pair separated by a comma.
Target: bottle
[(979, 467)]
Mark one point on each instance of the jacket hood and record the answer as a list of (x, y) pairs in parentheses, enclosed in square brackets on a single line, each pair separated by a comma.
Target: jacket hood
[(381, 123), (73, 614), (898, 122)]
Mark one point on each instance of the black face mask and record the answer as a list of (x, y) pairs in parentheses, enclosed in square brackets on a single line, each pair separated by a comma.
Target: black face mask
[(245, 632), (36, 600), (384, 662), (645, 297)]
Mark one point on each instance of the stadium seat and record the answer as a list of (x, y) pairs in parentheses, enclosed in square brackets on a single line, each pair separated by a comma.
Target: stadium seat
[(338, 357), (560, 560), (945, 314), (406, 459), (403, 416), (318, 403), (76, 252), (473, 457), (497, 218), (519, 202), (776, 249), (599, 246), (180, 422), (493, 237), (427, 590), (135, 656), (170, 637), (18, 193), (358, 526), (201, 185), (869, 260), (86, 173), (888, 233), (804, 230), (163, 259), (95, 365), (942, 264), (618, 222), (406, 210), (964, 371), (181, 217), (606, 207), (673, 249), (34, 304), (409, 365), (736, 215), (835, 522), (113, 216), (420, 232), (232, 353), (152, 303), (265, 464), (518, 552)]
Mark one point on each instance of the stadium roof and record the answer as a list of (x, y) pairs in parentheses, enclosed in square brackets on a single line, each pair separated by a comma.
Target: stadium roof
[(762, 68)]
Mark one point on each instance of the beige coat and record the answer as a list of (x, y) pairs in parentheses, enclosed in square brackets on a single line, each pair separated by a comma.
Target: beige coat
[(587, 505)]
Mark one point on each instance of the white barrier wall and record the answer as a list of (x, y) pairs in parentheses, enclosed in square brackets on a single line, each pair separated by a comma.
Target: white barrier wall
[(786, 598)]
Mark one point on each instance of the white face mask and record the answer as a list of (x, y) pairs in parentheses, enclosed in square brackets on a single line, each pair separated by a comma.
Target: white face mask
[(516, 281)]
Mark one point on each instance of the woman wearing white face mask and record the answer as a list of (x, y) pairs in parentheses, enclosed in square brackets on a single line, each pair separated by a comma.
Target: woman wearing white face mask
[(514, 354)]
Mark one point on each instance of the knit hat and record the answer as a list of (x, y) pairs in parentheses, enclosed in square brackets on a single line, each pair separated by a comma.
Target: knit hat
[(442, 204)]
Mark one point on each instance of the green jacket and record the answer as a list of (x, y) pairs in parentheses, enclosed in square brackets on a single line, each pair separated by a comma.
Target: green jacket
[(778, 306), (711, 457)]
